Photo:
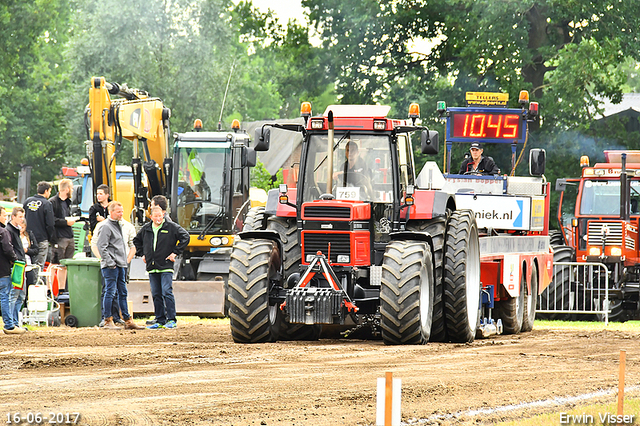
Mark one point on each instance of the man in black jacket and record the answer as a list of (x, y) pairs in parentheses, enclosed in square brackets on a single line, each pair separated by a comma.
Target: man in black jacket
[(7, 257), (39, 216), (160, 242), (477, 164)]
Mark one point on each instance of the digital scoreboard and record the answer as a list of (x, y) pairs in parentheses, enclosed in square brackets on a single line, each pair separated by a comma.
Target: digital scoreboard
[(494, 125)]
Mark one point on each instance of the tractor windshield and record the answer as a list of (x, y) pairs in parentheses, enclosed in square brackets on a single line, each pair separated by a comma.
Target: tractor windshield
[(603, 198), (361, 168), (200, 187)]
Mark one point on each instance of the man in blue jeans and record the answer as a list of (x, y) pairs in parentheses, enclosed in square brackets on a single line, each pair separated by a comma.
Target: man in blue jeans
[(113, 261), (160, 242), (7, 257)]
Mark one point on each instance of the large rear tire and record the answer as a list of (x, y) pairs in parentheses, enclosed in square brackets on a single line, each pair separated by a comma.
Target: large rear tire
[(462, 288), (436, 228), (406, 294), (292, 251), (254, 264), (531, 301), (511, 311), (254, 220)]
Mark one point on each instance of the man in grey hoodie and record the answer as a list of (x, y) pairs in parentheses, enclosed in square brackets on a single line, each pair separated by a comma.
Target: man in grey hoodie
[(113, 261)]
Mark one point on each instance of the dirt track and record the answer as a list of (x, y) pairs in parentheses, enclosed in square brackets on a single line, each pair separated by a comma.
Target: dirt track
[(196, 375)]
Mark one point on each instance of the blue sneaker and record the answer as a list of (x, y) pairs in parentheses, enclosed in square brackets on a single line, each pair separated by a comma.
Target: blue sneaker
[(155, 326), (170, 324)]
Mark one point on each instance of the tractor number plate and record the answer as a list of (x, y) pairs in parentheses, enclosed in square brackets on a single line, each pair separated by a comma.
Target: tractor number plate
[(348, 193)]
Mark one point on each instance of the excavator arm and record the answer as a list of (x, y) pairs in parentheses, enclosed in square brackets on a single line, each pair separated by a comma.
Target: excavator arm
[(136, 117)]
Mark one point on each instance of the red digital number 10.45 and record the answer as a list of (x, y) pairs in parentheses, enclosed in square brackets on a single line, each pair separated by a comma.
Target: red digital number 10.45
[(491, 126)]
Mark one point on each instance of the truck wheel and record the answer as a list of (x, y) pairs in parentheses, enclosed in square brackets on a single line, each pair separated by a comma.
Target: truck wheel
[(462, 287), (254, 219), (558, 294), (406, 293), (254, 264), (436, 228), (511, 311), (288, 231), (530, 301)]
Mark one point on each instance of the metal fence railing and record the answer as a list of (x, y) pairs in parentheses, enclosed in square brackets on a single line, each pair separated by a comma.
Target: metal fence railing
[(577, 289)]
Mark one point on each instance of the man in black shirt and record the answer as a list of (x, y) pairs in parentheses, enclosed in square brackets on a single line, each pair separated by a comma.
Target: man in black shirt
[(38, 213), (65, 246), (353, 172), (477, 164), (98, 212)]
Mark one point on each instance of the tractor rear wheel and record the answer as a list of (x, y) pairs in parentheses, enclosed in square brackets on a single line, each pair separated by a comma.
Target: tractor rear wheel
[(406, 293), (292, 252), (530, 301), (436, 228), (254, 264), (511, 311), (462, 288), (254, 220)]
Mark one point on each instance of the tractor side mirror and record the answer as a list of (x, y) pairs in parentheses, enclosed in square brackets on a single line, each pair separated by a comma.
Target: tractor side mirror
[(561, 185), (249, 157), (537, 161), (429, 142), (262, 139)]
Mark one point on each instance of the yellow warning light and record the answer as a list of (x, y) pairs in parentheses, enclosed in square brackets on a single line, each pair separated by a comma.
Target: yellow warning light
[(524, 97), (305, 109), (197, 124), (235, 124), (414, 111), (84, 161), (584, 161)]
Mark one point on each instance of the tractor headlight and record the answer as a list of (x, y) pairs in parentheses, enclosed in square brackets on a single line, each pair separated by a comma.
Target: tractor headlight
[(616, 251), (225, 241), (215, 241), (594, 251)]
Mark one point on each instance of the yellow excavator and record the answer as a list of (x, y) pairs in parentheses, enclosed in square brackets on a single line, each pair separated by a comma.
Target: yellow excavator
[(203, 174)]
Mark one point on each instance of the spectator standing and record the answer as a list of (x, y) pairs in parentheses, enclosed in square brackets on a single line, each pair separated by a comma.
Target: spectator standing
[(30, 245), (162, 202), (39, 217), (7, 257), (98, 212), (113, 261), (128, 234), (65, 246), (17, 295), (160, 242)]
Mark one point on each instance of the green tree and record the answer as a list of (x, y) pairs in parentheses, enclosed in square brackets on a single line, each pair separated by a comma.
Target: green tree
[(260, 177), (32, 78)]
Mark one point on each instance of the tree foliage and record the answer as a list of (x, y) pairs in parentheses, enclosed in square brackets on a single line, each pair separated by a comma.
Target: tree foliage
[(32, 78)]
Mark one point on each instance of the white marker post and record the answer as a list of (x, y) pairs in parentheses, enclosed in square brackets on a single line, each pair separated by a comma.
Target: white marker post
[(388, 402)]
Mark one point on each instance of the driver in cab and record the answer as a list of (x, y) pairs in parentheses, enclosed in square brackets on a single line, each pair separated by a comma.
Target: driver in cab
[(478, 164), (353, 170)]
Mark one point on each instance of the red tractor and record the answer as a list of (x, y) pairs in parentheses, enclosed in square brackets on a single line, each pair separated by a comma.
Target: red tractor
[(356, 244), (600, 226)]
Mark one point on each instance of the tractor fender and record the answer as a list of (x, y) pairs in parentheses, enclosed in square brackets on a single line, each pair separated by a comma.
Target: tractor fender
[(273, 206), (413, 236), (264, 235), (429, 204)]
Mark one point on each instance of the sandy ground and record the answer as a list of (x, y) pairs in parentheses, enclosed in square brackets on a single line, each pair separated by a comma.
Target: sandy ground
[(196, 375)]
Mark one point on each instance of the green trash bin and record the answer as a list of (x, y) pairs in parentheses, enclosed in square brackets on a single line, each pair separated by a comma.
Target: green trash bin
[(84, 282)]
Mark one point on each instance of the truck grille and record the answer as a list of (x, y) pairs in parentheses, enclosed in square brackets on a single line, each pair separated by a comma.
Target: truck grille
[(630, 243), (314, 242), (595, 233), (326, 211)]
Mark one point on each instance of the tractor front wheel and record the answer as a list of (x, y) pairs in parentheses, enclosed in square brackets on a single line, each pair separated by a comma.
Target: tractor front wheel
[(255, 263), (406, 294)]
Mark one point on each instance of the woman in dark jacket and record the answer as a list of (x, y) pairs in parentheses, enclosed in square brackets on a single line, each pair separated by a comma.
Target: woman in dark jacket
[(30, 245)]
